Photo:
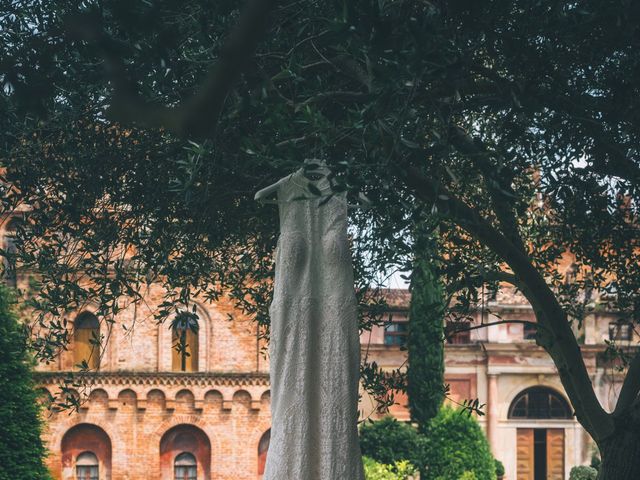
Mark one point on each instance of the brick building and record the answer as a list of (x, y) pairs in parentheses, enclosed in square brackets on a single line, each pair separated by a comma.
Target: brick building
[(147, 414), (152, 413), (150, 416)]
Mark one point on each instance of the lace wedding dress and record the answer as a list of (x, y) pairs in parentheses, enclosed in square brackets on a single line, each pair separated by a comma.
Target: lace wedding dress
[(314, 345)]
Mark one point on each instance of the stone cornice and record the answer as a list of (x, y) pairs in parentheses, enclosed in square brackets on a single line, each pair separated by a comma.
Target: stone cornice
[(530, 346), (484, 346), (157, 378)]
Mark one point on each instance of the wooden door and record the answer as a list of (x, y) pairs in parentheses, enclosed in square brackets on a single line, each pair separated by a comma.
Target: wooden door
[(555, 454), (524, 452)]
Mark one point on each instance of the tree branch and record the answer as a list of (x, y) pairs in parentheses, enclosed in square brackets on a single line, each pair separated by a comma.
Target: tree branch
[(583, 109), (197, 117), (630, 386), (490, 324), (559, 342), (502, 277), (498, 186), (337, 96)]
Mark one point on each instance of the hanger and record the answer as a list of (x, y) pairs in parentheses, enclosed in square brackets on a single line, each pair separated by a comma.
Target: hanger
[(264, 194)]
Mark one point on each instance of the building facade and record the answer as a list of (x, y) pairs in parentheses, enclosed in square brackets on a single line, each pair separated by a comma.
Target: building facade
[(149, 411), (528, 419)]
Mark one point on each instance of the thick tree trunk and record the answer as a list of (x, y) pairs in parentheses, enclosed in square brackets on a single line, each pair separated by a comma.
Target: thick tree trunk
[(621, 454)]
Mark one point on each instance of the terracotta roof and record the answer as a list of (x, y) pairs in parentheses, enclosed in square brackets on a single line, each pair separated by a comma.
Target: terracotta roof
[(396, 298), (399, 298)]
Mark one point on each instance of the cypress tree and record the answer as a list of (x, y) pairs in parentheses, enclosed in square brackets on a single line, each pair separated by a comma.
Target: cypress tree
[(21, 448), (425, 373)]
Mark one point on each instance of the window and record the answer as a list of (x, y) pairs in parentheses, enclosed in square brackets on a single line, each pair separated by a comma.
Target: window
[(185, 467), (539, 403), (620, 331), (396, 332), (571, 274), (185, 450), (87, 466), (529, 331), (263, 449), (458, 333), (493, 294), (86, 449), (86, 338), (184, 353)]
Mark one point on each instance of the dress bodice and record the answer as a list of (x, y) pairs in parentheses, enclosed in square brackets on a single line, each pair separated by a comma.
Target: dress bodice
[(313, 252)]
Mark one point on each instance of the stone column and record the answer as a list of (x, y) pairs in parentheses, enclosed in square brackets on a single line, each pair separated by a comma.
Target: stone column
[(492, 412)]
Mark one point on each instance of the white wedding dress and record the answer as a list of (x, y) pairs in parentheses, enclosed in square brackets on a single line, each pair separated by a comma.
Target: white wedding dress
[(314, 344)]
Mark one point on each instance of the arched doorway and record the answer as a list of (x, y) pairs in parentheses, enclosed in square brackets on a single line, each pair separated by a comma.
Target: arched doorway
[(540, 449), (86, 453), (185, 454)]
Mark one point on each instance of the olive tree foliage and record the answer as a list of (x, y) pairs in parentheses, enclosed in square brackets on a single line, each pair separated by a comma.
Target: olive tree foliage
[(137, 132)]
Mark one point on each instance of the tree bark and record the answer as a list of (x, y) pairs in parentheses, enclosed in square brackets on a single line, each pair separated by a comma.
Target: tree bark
[(620, 453)]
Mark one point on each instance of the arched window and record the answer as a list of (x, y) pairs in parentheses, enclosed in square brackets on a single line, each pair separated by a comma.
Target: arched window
[(87, 466), (263, 448), (185, 467), (185, 450), (86, 453), (86, 338), (184, 342), (539, 403)]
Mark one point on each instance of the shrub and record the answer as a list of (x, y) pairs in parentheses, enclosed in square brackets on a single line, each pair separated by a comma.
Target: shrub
[(388, 441), (583, 472), (373, 470), (468, 475), (455, 444), (21, 448), (499, 468)]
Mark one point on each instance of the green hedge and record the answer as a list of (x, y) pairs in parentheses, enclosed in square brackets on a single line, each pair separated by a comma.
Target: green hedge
[(468, 475), (373, 470), (583, 473), (453, 447), (388, 441), (21, 448), (456, 444)]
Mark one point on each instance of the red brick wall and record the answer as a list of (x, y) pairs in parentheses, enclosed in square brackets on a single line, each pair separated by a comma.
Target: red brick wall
[(138, 404)]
